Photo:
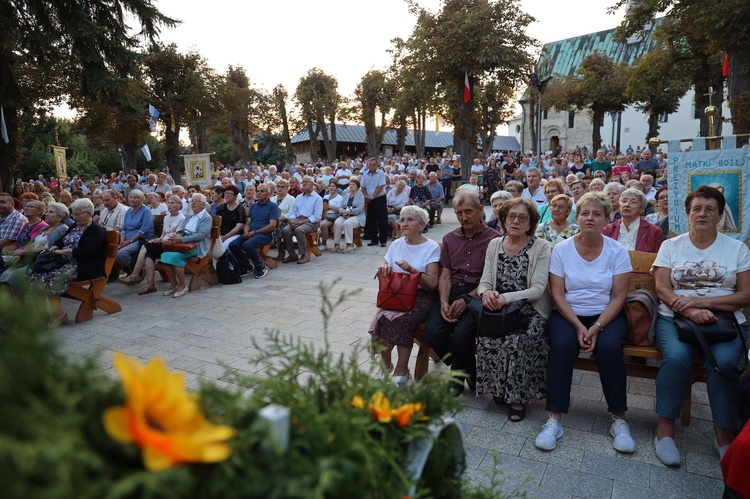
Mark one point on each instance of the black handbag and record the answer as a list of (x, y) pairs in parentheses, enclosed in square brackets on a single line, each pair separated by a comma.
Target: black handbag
[(726, 328), (46, 261), (499, 323)]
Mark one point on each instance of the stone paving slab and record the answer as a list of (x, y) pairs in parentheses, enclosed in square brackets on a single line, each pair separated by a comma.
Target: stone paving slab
[(209, 335)]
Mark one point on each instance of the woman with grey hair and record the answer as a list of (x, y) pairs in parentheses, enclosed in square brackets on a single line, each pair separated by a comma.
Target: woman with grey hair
[(613, 190), (396, 199), (558, 228), (137, 227), (496, 201), (196, 227), (411, 254), (632, 231), (515, 188), (83, 249)]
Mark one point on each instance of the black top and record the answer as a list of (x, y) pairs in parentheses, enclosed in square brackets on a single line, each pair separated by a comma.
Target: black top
[(230, 218), (89, 253)]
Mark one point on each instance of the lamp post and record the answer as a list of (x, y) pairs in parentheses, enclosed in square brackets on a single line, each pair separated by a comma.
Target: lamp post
[(540, 84)]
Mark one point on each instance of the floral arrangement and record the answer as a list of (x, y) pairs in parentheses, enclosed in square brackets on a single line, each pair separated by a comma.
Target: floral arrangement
[(70, 431)]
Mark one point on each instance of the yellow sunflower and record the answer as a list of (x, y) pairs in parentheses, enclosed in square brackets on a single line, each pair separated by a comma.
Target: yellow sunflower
[(162, 418)]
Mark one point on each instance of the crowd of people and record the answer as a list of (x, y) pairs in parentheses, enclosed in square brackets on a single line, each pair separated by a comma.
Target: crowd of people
[(556, 242)]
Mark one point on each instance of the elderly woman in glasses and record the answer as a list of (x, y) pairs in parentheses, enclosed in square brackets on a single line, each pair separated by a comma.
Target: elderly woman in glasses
[(632, 231), (558, 228)]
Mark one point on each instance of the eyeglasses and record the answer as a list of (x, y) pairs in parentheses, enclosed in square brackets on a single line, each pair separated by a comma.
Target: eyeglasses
[(521, 218), (663, 198)]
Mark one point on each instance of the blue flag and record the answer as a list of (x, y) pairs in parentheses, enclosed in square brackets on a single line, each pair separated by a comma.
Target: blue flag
[(146, 152), (153, 116)]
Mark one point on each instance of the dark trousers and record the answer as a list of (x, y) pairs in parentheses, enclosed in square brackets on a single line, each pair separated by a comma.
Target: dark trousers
[(243, 248), (447, 187), (377, 219), (456, 339), (564, 350)]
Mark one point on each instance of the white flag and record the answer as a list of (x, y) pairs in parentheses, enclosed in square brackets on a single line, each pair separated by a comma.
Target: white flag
[(3, 127), (146, 152)]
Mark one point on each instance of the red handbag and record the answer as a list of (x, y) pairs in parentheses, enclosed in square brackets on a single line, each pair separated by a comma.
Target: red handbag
[(397, 291), (180, 247)]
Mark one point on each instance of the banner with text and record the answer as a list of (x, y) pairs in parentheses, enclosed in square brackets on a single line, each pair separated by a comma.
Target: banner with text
[(61, 163), (726, 169), (198, 169)]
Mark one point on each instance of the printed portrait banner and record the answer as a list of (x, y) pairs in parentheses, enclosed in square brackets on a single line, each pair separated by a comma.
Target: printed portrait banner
[(198, 169), (726, 169), (61, 163)]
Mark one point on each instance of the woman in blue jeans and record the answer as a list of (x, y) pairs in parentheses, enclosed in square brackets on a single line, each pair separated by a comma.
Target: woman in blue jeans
[(697, 273), (588, 280)]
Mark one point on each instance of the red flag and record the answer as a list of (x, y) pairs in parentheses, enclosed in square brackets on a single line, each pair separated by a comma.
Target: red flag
[(725, 67), (467, 88)]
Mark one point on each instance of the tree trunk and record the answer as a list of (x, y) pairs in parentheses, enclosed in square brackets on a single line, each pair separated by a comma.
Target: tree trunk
[(10, 153), (131, 155), (401, 135), (172, 148), (597, 119), (329, 141), (653, 125), (710, 76), (464, 135), (312, 131), (372, 143), (739, 89), (289, 156)]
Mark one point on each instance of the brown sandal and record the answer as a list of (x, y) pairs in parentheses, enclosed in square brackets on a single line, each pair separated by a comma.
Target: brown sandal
[(131, 280), (147, 290)]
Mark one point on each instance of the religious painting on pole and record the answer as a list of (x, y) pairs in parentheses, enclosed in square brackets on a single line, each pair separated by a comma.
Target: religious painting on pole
[(728, 170), (61, 163), (198, 169)]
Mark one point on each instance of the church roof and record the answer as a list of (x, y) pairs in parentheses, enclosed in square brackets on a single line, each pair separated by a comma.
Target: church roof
[(433, 140), (567, 55)]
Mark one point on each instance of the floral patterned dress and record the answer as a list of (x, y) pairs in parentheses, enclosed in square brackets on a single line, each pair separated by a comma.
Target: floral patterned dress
[(57, 281), (514, 368), (547, 232)]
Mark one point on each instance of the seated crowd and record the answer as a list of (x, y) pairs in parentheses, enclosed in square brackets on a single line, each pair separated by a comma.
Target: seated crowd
[(556, 244)]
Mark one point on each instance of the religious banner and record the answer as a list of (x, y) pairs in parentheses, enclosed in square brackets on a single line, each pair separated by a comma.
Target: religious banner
[(198, 169), (725, 169), (61, 163)]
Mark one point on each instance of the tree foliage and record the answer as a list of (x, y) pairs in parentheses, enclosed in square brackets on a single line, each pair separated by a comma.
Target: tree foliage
[(598, 85), (494, 106), (703, 31), (485, 39), (656, 86), (375, 95), (279, 101), (319, 100), (48, 48)]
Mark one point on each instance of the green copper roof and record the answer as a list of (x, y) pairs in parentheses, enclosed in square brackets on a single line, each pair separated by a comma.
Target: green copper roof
[(568, 54)]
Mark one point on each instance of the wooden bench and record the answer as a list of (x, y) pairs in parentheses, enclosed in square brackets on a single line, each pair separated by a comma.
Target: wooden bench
[(639, 279), (89, 293), (199, 266)]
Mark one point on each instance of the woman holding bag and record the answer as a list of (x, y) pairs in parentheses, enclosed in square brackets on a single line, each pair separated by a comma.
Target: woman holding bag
[(411, 254), (698, 274), (516, 267), (195, 228)]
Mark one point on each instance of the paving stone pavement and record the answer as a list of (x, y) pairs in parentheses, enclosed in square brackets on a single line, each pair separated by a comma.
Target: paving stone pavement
[(205, 331)]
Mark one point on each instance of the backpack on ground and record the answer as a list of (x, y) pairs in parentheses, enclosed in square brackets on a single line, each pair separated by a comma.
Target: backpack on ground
[(227, 270)]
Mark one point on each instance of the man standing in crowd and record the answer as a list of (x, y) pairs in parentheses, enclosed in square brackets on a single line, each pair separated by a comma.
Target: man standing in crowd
[(647, 164), (450, 328), (373, 188), (304, 218), (601, 164), (132, 186), (11, 221), (534, 190)]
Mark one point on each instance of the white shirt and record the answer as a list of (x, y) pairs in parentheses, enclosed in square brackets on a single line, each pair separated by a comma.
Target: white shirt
[(588, 285), (537, 197), (700, 273), (629, 235), (418, 255)]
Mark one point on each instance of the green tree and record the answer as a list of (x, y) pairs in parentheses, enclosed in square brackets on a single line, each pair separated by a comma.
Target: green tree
[(235, 98), (479, 38), (178, 86), (598, 85), (375, 96), (49, 48), (704, 30), (270, 150), (494, 107), (319, 100), (656, 86)]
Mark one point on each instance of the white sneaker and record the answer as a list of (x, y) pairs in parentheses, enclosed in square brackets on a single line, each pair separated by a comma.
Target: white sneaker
[(322, 247), (551, 432), (621, 433), (405, 380)]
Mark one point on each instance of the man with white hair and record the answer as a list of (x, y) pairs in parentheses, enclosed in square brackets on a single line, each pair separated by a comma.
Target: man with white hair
[(305, 217), (534, 190), (272, 176)]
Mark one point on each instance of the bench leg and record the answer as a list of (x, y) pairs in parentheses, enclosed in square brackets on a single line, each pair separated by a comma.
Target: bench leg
[(86, 309), (686, 403), (423, 362), (107, 305)]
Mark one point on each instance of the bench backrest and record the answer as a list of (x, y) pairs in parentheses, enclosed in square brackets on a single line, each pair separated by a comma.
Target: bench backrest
[(111, 241), (158, 224), (641, 277)]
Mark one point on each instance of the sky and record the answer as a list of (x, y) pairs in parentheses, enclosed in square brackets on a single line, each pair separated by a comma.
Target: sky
[(280, 41)]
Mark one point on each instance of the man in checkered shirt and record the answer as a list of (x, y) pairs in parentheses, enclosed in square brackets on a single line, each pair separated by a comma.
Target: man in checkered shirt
[(11, 221)]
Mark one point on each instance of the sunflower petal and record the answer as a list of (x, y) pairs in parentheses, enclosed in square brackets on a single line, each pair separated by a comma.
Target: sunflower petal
[(155, 461), (115, 422)]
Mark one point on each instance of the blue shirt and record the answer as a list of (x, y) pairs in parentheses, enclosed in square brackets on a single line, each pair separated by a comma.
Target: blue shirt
[(138, 223), (371, 181), (309, 206), (437, 191), (262, 214)]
